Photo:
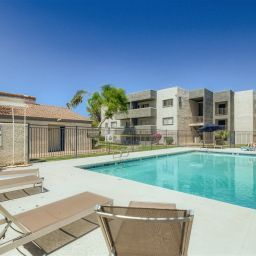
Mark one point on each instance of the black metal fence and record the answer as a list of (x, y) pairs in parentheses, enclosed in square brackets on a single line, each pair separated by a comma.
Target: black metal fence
[(49, 141), (58, 141)]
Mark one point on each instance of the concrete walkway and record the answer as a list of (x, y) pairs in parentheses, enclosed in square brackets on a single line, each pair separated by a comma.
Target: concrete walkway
[(219, 229)]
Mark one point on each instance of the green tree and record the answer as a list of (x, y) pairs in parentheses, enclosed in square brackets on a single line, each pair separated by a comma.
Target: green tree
[(94, 105), (77, 99), (111, 99)]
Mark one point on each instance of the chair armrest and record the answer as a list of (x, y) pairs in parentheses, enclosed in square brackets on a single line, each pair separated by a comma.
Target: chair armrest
[(20, 172)]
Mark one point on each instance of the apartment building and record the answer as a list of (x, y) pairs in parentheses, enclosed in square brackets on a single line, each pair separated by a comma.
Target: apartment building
[(141, 112), (178, 110)]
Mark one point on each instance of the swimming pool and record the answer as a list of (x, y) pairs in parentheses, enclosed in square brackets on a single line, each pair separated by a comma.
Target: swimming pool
[(224, 177)]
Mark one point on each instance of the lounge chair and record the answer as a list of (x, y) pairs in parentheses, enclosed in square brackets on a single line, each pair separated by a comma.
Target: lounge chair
[(145, 229), (43, 220), (249, 147), (18, 178), (216, 144)]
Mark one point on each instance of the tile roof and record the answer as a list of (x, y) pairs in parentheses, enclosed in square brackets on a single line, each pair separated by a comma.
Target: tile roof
[(39, 111), (15, 95)]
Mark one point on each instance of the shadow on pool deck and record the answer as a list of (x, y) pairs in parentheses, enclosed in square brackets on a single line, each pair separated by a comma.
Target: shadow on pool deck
[(21, 193), (61, 237)]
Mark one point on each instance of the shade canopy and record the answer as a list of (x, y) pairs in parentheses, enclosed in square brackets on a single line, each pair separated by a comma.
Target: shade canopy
[(210, 128)]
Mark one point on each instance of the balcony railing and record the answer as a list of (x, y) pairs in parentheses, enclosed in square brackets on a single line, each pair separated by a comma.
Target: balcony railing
[(145, 129), (221, 111), (197, 119), (137, 113)]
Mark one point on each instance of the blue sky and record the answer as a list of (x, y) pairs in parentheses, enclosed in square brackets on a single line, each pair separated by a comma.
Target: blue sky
[(50, 49)]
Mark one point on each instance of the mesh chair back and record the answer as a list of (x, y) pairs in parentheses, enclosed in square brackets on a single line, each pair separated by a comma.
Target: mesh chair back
[(145, 231)]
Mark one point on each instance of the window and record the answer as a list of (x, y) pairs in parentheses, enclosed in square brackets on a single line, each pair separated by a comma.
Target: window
[(168, 103), (113, 124), (1, 137), (168, 121), (145, 105)]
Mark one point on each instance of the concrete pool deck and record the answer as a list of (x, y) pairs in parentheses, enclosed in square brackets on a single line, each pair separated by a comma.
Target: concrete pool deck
[(219, 229)]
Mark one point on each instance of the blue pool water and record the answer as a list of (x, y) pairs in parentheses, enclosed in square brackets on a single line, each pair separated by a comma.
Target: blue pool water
[(224, 177)]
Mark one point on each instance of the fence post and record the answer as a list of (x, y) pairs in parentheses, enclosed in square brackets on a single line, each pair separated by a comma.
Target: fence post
[(28, 143), (166, 138), (76, 142), (230, 139), (151, 140)]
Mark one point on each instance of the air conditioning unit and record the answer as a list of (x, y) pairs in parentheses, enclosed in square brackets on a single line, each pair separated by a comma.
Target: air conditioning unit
[(110, 138)]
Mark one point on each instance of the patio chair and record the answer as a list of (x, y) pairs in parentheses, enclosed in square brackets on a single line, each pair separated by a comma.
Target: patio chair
[(18, 178), (249, 147), (148, 229), (43, 220)]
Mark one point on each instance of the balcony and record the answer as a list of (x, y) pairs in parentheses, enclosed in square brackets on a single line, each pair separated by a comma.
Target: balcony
[(140, 96), (137, 113), (221, 111), (133, 130), (145, 129), (196, 121)]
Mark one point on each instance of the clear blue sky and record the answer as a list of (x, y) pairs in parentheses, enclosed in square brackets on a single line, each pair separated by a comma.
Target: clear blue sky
[(50, 49)]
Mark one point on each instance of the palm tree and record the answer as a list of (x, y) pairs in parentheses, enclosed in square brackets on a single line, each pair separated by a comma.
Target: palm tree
[(77, 99)]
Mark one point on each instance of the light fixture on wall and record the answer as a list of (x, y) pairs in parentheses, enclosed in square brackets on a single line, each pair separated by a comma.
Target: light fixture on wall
[(179, 100)]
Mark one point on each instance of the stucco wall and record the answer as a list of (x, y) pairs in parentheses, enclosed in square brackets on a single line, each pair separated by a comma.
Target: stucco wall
[(184, 133), (225, 96), (208, 106), (184, 111), (164, 112), (6, 150), (243, 111), (180, 111), (243, 116)]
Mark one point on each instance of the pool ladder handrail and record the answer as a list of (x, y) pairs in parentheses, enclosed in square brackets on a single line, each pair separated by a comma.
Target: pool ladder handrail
[(120, 154)]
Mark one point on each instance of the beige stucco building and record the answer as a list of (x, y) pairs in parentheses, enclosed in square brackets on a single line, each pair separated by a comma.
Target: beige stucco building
[(31, 130), (178, 113)]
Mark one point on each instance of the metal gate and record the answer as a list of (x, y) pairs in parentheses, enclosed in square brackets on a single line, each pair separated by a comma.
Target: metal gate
[(51, 141)]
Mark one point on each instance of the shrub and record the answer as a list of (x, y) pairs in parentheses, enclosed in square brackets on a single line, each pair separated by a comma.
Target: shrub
[(94, 143), (169, 140), (157, 137), (102, 138), (223, 135)]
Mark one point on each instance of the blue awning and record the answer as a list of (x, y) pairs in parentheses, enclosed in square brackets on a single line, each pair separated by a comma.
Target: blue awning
[(211, 128)]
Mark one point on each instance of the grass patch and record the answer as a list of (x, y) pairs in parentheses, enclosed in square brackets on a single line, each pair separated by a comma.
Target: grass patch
[(109, 149), (67, 157)]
